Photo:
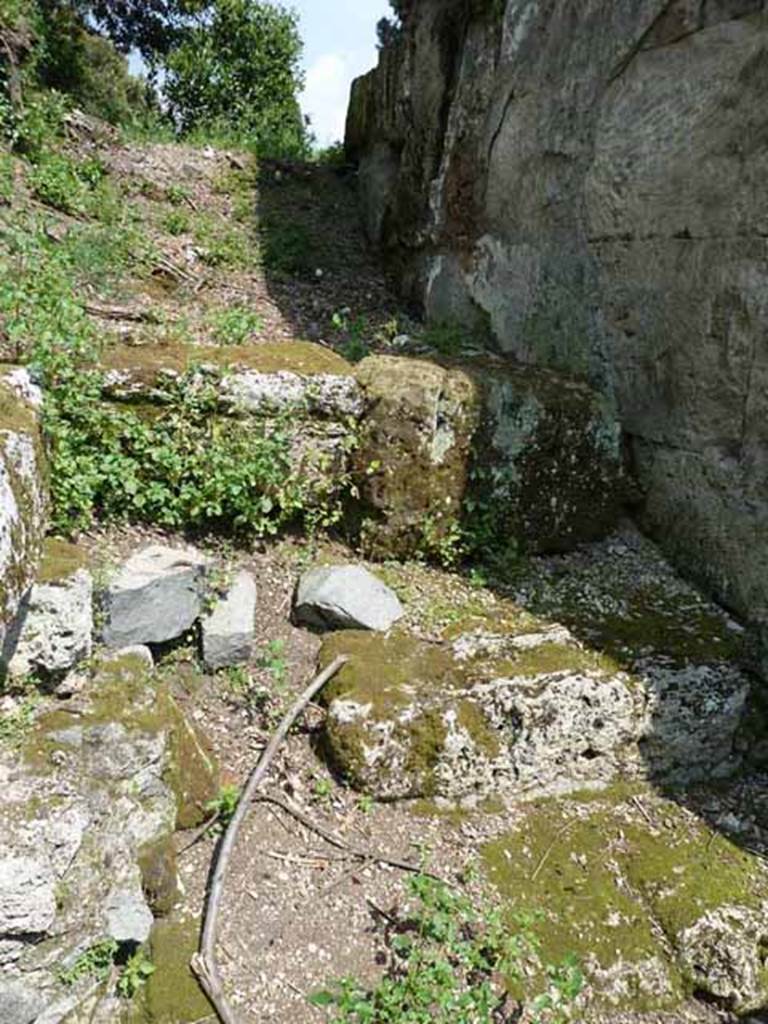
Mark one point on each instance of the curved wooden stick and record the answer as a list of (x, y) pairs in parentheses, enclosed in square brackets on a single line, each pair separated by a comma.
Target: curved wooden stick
[(204, 963)]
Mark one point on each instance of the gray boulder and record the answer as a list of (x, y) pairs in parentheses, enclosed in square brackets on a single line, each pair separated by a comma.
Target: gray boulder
[(345, 597), (228, 629), (155, 597)]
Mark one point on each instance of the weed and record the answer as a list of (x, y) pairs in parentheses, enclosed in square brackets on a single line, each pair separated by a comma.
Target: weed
[(234, 325), (95, 962), (177, 194), (450, 962), (137, 971), (273, 660), (365, 803), (65, 184), (226, 247), (176, 222), (286, 247), (322, 790), (224, 804), (351, 333), (449, 339)]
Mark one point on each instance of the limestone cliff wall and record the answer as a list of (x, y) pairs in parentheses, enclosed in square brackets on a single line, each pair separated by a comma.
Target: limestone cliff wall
[(590, 178)]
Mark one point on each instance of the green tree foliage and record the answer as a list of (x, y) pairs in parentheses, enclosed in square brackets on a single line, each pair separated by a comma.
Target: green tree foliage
[(231, 67), (237, 71)]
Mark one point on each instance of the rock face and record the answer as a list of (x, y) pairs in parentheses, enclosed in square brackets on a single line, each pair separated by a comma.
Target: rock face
[(23, 496), (156, 596), (54, 625), (634, 895), (345, 597), (513, 701), (228, 630), (589, 189), (524, 457), (95, 790)]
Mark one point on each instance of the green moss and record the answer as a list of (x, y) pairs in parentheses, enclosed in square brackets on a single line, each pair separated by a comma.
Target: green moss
[(620, 885), (689, 870), (387, 672), (565, 868), (172, 995), (159, 875), (425, 738), (302, 357), (122, 691), (483, 735), (60, 560)]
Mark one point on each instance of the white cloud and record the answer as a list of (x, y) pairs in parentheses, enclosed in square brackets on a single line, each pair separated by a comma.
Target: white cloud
[(326, 94)]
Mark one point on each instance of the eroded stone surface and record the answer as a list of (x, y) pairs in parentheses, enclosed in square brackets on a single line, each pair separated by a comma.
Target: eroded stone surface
[(529, 458), (94, 786), (23, 494), (54, 624), (653, 902), (511, 699), (549, 201)]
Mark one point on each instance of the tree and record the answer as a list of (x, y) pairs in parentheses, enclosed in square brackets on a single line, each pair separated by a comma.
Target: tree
[(237, 70)]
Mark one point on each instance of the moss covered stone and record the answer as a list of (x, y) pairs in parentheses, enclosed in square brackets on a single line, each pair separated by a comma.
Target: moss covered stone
[(502, 456), (60, 559), (619, 888), (148, 364), (124, 695), (159, 875), (413, 460), (172, 995), (499, 699)]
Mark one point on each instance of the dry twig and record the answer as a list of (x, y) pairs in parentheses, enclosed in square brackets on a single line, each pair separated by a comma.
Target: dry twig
[(363, 852), (204, 963)]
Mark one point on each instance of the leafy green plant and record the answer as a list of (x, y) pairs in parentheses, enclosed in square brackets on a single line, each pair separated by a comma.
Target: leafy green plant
[(177, 194), (224, 804), (95, 962), (234, 325), (322, 790), (451, 962), (273, 660), (176, 222), (352, 341), (69, 185), (366, 803), (134, 975)]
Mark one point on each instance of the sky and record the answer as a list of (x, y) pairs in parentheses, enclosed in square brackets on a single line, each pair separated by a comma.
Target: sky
[(339, 44)]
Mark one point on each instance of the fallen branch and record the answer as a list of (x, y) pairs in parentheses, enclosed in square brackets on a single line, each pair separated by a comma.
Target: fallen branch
[(134, 314), (363, 852), (204, 963)]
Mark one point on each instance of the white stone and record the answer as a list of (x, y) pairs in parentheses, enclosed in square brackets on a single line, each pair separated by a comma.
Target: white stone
[(228, 629), (345, 597), (27, 896), (156, 596), (126, 914), (55, 626)]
